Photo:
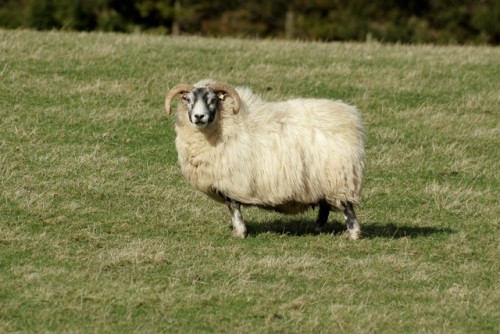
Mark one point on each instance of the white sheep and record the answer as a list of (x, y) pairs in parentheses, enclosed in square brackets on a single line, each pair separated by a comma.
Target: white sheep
[(286, 156)]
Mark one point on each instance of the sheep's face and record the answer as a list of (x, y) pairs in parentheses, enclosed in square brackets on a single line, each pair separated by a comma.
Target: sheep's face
[(202, 106)]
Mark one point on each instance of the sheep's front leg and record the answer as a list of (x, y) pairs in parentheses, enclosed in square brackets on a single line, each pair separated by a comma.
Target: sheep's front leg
[(239, 228), (351, 221)]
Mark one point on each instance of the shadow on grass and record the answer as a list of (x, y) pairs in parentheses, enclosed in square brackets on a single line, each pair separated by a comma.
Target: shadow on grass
[(299, 227), (392, 231)]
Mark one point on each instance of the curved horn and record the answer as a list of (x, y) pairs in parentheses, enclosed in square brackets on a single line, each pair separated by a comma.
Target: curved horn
[(223, 87), (173, 92)]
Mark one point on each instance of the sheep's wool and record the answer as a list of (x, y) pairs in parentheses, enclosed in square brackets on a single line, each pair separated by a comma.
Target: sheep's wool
[(285, 155)]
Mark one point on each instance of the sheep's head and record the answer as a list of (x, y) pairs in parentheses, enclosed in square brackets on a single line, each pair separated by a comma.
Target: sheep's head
[(202, 102)]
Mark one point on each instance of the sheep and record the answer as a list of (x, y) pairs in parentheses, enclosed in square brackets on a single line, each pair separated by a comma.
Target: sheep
[(286, 156)]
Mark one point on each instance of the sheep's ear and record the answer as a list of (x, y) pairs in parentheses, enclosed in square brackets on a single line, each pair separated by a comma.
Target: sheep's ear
[(223, 88), (179, 89), (221, 96)]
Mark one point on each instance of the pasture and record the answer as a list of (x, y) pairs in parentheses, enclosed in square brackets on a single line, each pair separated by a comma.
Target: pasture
[(100, 233)]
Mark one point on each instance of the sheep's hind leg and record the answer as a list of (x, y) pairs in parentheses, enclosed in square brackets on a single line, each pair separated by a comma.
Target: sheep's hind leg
[(324, 211), (351, 221), (239, 228)]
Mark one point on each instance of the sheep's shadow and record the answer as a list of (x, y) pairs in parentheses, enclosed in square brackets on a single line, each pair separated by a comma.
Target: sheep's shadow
[(301, 227)]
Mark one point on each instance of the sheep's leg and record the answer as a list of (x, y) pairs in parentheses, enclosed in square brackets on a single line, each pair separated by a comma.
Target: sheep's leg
[(324, 211), (351, 221), (239, 228)]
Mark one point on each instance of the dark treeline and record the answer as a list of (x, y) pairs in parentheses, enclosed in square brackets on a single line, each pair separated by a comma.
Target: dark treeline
[(410, 21)]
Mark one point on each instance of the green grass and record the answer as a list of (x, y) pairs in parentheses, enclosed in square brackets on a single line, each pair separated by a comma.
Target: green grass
[(100, 233)]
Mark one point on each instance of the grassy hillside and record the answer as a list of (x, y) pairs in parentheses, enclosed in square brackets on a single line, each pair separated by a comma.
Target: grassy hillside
[(100, 233)]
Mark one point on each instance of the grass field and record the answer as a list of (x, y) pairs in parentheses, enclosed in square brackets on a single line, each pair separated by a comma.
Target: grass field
[(99, 232)]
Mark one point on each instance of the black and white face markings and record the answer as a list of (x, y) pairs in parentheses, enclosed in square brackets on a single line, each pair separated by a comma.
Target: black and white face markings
[(202, 106)]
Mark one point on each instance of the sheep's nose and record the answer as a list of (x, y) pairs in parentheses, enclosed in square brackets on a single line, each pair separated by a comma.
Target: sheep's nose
[(198, 116)]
